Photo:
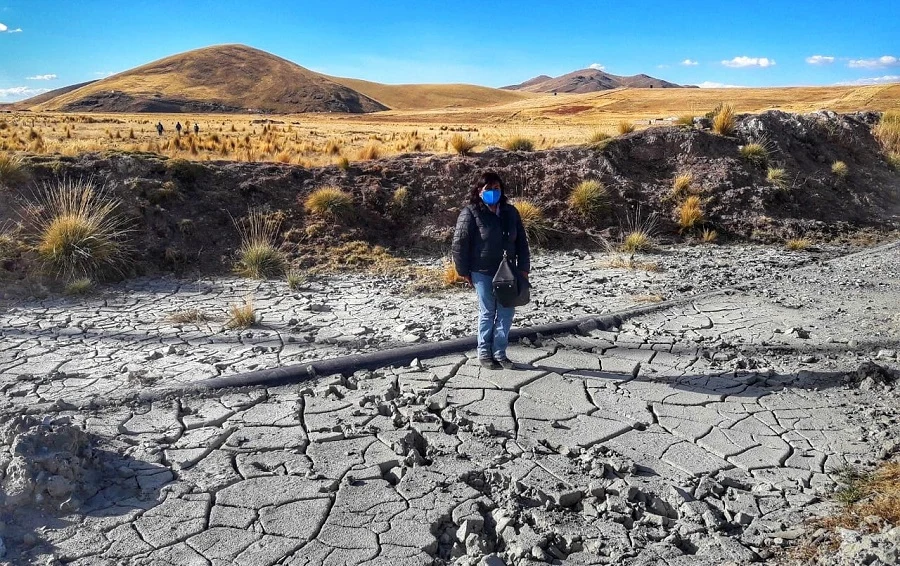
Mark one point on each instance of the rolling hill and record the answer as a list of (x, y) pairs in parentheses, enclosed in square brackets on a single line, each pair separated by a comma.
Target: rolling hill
[(222, 78), (588, 80), (432, 96)]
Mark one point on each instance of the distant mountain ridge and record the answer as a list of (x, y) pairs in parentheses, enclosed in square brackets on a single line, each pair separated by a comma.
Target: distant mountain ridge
[(589, 80)]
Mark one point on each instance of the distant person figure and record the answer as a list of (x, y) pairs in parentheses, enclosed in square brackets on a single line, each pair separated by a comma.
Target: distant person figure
[(196, 128), (486, 228), (159, 128), (178, 127)]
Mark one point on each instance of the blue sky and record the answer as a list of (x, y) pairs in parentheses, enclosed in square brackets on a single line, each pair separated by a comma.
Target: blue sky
[(47, 44)]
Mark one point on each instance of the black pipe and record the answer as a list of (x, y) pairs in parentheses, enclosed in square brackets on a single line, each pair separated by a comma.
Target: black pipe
[(347, 365)]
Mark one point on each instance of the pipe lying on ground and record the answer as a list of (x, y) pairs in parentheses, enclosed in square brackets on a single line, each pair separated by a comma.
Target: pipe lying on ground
[(347, 365)]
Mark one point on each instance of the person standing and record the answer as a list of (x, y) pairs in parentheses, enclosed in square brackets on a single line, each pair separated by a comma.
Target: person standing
[(178, 127), (486, 227)]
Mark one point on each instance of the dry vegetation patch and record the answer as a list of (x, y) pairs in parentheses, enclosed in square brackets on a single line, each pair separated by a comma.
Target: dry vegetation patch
[(588, 198), (533, 219), (242, 315), (690, 213), (723, 120), (258, 256), (330, 202), (78, 231)]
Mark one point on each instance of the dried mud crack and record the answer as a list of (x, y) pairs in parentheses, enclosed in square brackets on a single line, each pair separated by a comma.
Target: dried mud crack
[(703, 433)]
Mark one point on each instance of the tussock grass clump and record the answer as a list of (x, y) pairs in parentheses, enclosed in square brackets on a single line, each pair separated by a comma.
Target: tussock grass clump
[(588, 198), (598, 136), (79, 286), (258, 258), (625, 127), (242, 315), (690, 213), (797, 244), (777, 176), (329, 202), (685, 120), (519, 143), (532, 218), (400, 197), (12, 169), (295, 280), (888, 132), (682, 184), (449, 275), (78, 231), (637, 241), (893, 160), (188, 316), (755, 153), (343, 163), (708, 236), (840, 169), (462, 145), (723, 121), (370, 152)]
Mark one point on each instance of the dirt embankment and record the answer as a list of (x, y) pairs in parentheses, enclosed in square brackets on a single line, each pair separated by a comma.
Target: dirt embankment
[(182, 212)]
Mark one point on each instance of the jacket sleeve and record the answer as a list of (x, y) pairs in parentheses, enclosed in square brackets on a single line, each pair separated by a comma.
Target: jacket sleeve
[(523, 251), (462, 243)]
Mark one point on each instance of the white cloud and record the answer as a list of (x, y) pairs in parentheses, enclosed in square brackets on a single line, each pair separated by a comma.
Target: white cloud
[(709, 84), (48, 77), (872, 81), (740, 62), (689, 63), (820, 60), (883, 61), (104, 74), (5, 29), (20, 93), (597, 67)]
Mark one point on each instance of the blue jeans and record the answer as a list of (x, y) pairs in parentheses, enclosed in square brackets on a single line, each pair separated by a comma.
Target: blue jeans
[(494, 320)]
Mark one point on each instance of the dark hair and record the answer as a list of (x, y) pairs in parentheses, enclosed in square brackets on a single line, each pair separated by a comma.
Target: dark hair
[(486, 178)]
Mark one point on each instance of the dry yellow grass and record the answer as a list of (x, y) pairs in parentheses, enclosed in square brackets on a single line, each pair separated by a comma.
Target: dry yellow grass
[(625, 127), (519, 143), (329, 202), (12, 171), (755, 153), (258, 256), (77, 229), (708, 236), (724, 120), (690, 213), (328, 139), (533, 219), (777, 176), (449, 276), (840, 169), (588, 198), (462, 145), (682, 184), (637, 241), (188, 316), (888, 132), (79, 286), (241, 315), (798, 244)]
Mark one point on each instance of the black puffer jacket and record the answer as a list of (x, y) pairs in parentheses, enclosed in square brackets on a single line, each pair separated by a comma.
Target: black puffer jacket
[(478, 242)]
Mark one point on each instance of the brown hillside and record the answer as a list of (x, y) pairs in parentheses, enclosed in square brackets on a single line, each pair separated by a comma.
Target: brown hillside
[(222, 78), (49, 95), (431, 96), (589, 80)]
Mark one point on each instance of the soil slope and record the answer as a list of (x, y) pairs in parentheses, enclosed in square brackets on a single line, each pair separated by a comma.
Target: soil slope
[(182, 211), (223, 78)]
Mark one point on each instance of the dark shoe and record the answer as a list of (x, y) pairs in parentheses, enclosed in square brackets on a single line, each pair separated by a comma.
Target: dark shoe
[(489, 363), (505, 363)]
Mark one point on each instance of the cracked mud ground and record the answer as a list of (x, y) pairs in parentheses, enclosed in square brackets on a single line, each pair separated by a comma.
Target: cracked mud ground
[(705, 433)]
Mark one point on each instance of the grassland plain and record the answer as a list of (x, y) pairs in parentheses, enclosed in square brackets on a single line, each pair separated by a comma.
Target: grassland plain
[(475, 113)]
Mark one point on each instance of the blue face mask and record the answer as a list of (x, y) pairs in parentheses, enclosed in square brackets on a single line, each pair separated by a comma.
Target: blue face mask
[(490, 196)]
